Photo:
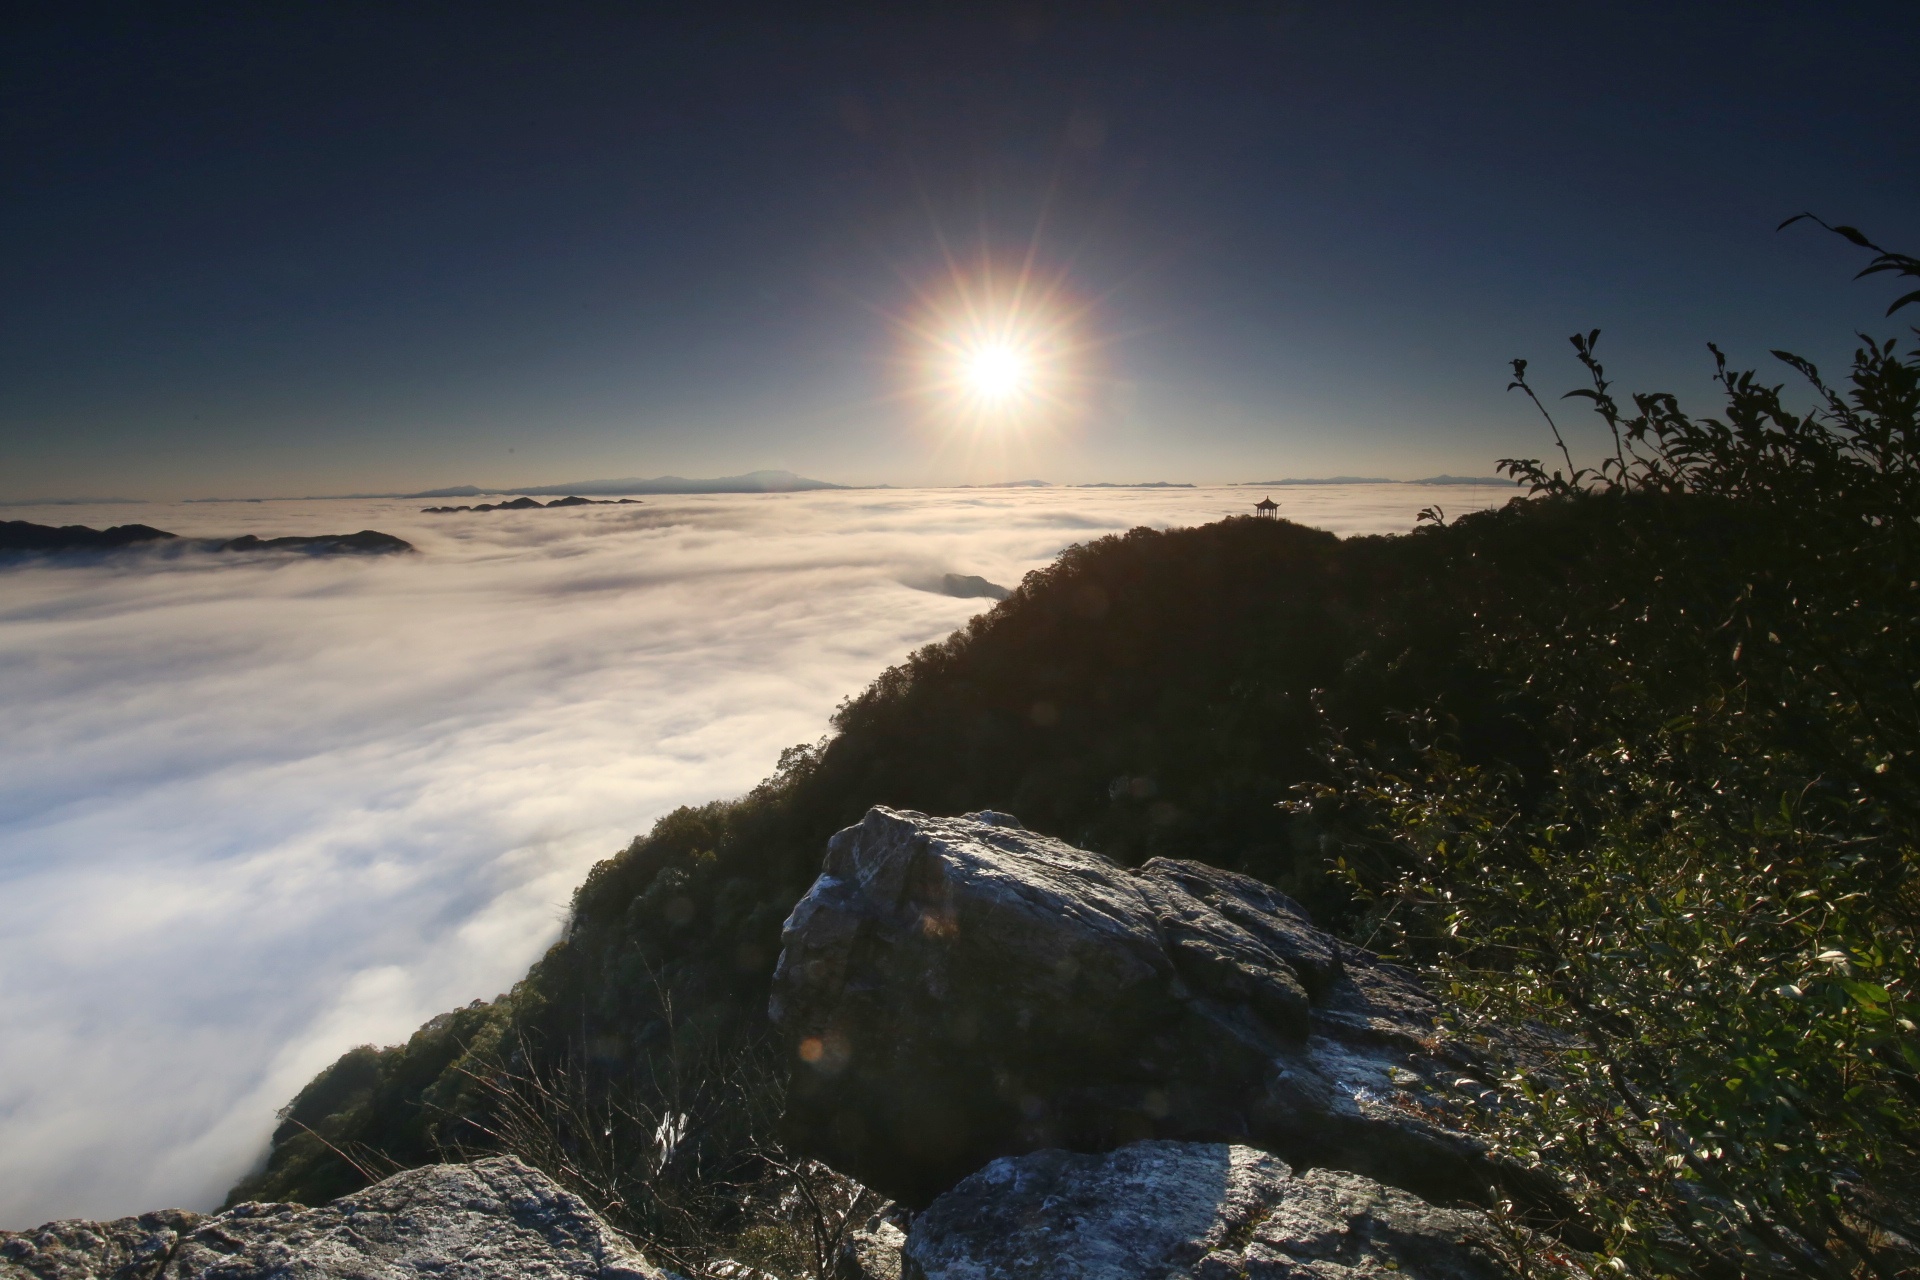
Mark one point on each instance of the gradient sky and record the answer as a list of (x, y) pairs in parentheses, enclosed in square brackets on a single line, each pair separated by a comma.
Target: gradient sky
[(320, 248)]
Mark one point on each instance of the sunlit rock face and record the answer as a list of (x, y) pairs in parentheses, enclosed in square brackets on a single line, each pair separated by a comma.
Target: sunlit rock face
[(1172, 1210), (494, 1219), (957, 989)]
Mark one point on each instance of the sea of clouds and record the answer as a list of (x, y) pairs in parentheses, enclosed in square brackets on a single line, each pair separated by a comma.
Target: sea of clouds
[(257, 809)]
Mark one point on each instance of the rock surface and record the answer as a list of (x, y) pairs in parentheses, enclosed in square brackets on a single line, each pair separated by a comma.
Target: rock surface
[(1170, 1210), (958, 989), (872, 1251), (489, 1220), (124, 1249)]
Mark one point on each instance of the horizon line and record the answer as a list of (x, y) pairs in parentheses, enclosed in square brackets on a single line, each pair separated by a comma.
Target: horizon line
[(695, 487)]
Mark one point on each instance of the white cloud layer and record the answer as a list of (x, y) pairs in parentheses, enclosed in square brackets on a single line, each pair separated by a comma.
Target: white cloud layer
[(256, 810)]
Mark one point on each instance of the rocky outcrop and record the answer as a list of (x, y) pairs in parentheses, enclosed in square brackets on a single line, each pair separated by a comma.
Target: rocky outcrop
[(492, 1220), (958, 989), (1172, 1210)]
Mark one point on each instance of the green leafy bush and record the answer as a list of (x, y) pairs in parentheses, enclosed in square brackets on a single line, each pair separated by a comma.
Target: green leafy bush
[(1704, 913)]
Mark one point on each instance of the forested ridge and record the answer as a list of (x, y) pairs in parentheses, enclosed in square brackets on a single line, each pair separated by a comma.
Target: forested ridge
[(1629, 762)]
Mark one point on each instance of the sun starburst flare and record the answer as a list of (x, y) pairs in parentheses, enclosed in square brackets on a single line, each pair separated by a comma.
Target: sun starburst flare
[(998, 359)]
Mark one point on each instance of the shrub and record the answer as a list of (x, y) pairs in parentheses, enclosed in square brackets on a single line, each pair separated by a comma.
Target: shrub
[(1705, 911)]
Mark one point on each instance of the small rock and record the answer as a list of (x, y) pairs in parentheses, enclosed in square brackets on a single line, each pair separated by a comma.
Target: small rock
[(872, 1251), (1172, 1211)]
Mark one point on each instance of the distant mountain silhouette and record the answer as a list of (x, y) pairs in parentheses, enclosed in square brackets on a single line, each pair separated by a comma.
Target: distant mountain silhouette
[(1440, 479), (1274, 484), (20, 535), (365, 542), (751, 482), (970, 585), (534, 504)]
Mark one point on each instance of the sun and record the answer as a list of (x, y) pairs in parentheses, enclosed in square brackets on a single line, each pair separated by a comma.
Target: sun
[(999, 361), (996, 372), (993, 357)]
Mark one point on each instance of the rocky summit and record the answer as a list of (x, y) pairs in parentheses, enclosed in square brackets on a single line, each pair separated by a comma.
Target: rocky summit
[(959, 989), (495, 1219), (1176, 1210)]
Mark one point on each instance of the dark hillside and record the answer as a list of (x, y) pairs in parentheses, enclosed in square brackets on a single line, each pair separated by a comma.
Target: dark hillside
[(1152, 693)]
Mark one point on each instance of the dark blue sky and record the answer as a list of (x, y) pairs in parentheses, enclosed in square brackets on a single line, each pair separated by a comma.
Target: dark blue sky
[(312, 248)]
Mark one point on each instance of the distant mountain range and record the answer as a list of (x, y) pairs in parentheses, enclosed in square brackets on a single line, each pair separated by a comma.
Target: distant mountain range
[(1442, 479), (788, 482), (1145, 484), (71, 502), (1101, 484), (533, 504), (751, 482), (1245, 484), (24, 536)]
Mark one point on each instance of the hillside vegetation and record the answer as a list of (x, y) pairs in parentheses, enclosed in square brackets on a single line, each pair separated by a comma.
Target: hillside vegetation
[(1629, 762)]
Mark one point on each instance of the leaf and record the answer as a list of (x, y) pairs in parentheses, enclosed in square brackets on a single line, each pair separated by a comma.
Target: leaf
[(1868, 995), (1850, 233), (1804, 366), (1903, 301)]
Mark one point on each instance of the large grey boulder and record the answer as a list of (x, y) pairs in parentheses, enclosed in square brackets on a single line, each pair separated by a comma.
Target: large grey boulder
[(491, 1220), (1172, 1210), (957, 989)]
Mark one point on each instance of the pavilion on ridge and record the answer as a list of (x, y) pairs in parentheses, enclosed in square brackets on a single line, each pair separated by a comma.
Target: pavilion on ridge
[(1266, 507)]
